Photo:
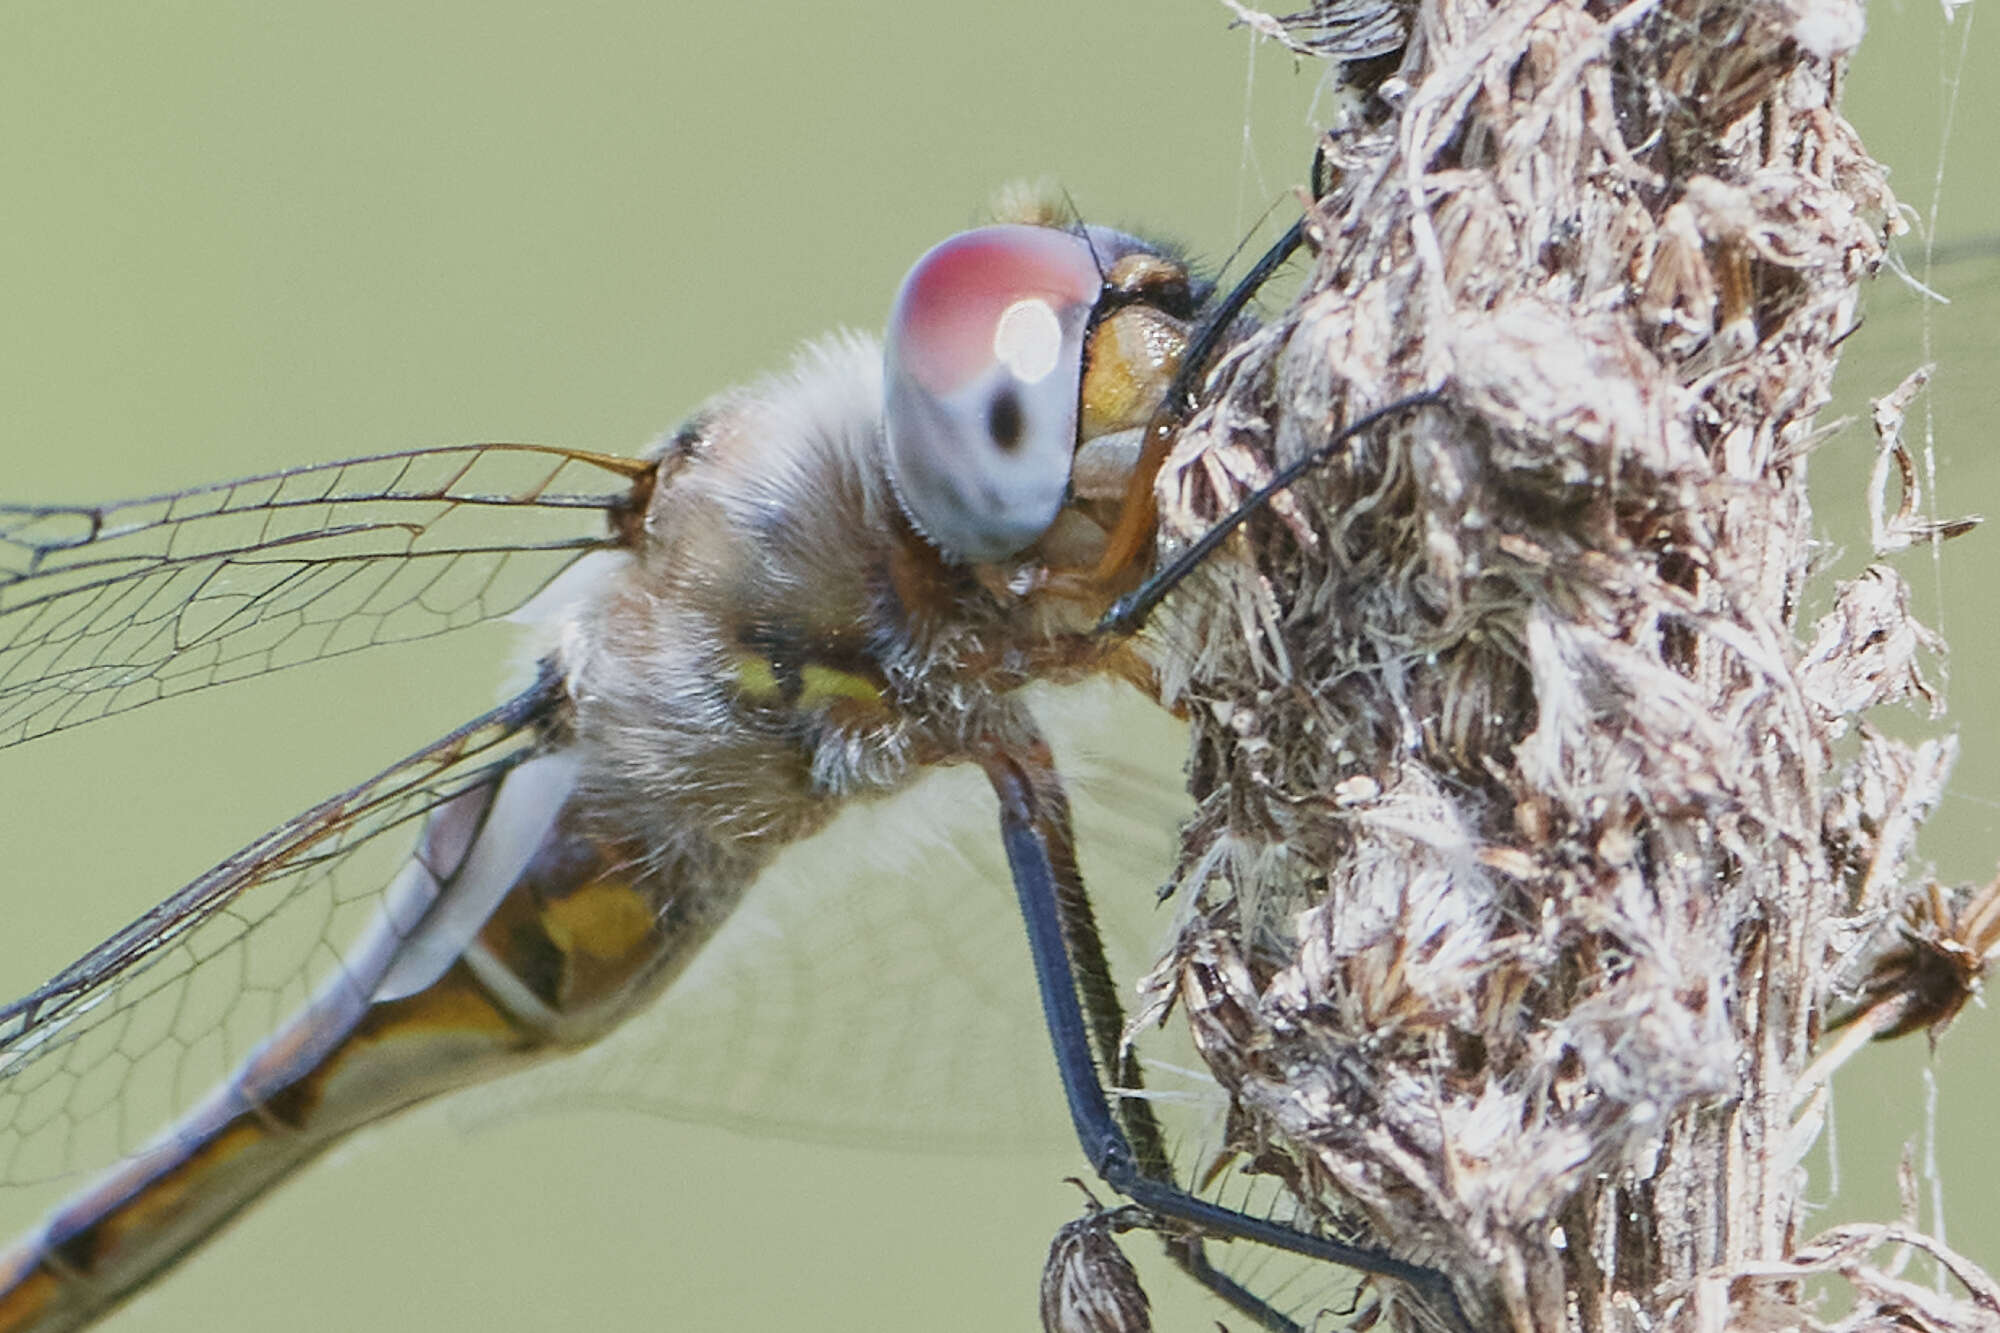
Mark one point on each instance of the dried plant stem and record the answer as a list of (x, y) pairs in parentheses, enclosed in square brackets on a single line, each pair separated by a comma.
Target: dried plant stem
[(1527, 871)]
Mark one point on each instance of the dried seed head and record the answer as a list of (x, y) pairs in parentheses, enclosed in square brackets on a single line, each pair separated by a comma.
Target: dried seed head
[(1088, 1285)]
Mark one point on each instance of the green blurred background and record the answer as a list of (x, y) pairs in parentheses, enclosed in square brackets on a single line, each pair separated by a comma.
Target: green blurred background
[(241, 236)]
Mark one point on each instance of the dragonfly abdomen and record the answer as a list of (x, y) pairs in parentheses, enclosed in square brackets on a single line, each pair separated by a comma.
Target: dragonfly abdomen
[(510, 936)]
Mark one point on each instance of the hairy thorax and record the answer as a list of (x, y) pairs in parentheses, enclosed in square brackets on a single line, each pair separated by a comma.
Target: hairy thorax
[(782, 641)]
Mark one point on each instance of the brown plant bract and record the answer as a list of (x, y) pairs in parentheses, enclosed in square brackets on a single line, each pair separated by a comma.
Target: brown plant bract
[(1526, 870)]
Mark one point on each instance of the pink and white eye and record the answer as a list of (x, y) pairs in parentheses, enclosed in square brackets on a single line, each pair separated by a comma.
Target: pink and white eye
[(984, 364)]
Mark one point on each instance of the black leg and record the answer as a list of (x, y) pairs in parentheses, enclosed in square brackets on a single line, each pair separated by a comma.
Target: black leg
[(1036, 840), (1193, 1259), (1103, 1019), (1128, 614)]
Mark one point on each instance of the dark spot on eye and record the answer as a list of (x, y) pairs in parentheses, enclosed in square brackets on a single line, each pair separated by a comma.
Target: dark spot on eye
[(1003, 419)]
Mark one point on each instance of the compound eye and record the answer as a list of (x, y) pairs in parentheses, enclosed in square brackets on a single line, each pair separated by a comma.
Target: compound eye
[(984, 363)]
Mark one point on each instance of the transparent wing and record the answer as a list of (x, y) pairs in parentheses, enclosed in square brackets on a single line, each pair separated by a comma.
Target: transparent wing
[(100, 1059), (104, 608), (875, 988), (875, 985), (893, 1001), (889, 1001)]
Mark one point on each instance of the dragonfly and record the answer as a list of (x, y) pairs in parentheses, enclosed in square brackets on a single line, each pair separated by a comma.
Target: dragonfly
[(817, 590)]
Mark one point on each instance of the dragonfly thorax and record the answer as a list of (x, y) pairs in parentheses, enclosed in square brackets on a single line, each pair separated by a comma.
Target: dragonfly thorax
[(785, 639), (789, 633)]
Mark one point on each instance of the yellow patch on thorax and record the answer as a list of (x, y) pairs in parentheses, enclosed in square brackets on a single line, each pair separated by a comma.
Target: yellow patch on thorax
[(824, 684), (606, 919)]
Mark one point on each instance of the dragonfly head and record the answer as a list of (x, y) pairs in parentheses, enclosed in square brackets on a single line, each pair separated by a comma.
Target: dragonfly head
[(1023, 363)]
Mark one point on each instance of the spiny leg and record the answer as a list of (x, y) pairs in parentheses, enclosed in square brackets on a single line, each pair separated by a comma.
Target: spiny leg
[(1078, 996), (1070, 972), (1046, 807), (1131, 538), (1129, 613)]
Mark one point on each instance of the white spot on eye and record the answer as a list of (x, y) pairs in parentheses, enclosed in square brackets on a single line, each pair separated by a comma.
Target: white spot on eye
[(1028, 339)]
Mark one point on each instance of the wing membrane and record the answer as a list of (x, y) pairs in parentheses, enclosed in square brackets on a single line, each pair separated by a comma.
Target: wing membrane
[(98, 1059), (104, 608), (875, 986)]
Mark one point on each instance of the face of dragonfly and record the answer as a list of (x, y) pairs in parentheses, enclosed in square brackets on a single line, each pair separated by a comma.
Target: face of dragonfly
[(820, 589)]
